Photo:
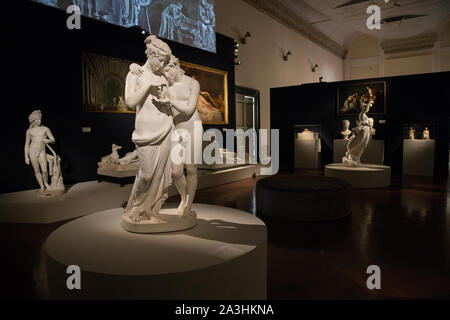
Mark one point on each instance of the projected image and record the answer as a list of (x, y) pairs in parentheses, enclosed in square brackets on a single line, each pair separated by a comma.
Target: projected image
[(191, 22)]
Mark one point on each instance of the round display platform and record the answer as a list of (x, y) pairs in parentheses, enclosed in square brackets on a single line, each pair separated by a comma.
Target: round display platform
[(303, 198), (363, 176), (223, 257)]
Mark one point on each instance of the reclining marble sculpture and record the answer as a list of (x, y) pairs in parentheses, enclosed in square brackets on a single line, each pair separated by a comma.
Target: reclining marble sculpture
[(113, 157), (114, 162), (38, 138), (165, 101), (360, 138)]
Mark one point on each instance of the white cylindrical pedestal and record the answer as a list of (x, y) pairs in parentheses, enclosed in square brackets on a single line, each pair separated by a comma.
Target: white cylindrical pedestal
[(363, 176), (223, 257)]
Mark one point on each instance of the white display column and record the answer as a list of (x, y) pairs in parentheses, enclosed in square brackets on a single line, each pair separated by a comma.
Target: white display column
[(223, 257), (374, 153), (418, 157), (307, 153)]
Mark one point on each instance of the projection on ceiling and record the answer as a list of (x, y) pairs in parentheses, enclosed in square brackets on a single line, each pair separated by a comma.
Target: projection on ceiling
[(191, 22)]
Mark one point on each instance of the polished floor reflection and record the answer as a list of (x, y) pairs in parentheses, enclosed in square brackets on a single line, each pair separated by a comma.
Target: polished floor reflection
[(404, 229)]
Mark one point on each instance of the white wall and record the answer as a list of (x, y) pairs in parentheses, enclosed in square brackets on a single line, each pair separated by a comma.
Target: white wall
[(366, 59), (262, 66)]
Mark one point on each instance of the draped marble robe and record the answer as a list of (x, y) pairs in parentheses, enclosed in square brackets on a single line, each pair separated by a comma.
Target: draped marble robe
[(152, 138)]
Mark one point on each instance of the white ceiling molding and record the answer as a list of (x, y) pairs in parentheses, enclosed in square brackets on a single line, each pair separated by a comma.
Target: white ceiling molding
[(410, 44), (288, 18)]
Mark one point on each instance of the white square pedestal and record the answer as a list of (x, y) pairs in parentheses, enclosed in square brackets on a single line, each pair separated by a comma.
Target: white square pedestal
[(307, 153), (418, 157), (374, 153)]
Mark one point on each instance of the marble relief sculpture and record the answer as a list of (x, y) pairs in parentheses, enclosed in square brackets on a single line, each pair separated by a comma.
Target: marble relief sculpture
[(345, 129), (38, 138), (360, 138), (426, 134), (165, 101)]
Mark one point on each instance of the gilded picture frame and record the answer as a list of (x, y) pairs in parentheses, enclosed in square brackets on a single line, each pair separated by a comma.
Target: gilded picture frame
[(212, 104), (349, 97)]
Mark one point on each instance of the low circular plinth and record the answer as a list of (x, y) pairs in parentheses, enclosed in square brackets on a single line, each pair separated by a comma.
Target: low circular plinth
[(362, 176), (223, 257), (303, 198), (168, 220)]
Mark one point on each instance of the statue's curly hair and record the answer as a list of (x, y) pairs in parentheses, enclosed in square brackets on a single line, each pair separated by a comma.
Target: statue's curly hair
[(35, 115)]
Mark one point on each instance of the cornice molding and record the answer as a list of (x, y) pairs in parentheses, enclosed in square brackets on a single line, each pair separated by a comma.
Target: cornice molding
[(288, 18), (409, 44)]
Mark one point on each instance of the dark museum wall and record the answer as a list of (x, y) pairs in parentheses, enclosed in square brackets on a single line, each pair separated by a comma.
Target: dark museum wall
[(410, 99), (43, 71)]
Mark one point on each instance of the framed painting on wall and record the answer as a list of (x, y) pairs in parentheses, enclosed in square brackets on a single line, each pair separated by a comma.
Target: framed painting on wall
[(212, 104), (103, 83), (350, 97)]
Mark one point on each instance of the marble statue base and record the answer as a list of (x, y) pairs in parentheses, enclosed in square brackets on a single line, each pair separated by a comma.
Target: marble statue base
[(171, 221), (362, 176), (50, 193)]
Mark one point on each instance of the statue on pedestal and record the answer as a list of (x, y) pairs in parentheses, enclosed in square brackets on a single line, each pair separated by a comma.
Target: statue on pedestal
[(165, 101), (360, 138), (38, 137)]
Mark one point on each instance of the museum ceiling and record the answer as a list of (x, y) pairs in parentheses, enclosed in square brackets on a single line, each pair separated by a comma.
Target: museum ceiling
[(340, 20)]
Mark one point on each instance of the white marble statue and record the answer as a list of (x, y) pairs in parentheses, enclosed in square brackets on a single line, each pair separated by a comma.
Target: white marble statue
[(152, 134), (345, 129), (165, 101), (372, 129), (426, 134), (411, 133), (360, 138), (183, 94), (38, 137)]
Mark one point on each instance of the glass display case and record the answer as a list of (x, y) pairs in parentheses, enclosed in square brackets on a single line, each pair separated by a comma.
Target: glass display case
[(419, 148), (419, 131), (307, 146)]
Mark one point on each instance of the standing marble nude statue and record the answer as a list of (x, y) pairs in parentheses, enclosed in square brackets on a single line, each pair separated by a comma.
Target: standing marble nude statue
[(360, 139), (152, 134), (183, 93), (37, 137)]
